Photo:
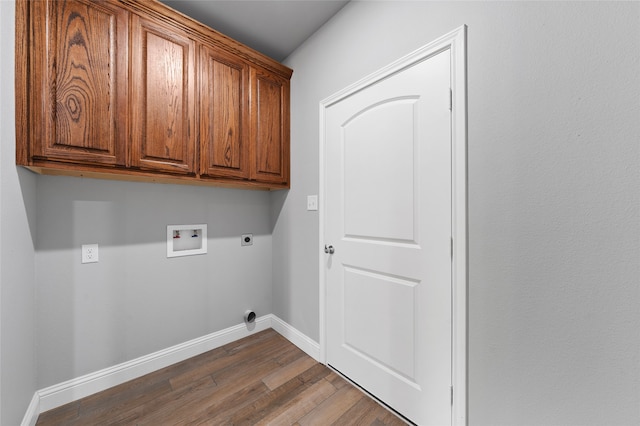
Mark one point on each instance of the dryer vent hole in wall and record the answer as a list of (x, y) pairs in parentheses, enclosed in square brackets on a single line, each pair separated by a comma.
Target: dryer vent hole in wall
[(249, 317)]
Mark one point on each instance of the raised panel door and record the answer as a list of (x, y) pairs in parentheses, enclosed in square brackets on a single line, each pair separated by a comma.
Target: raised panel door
[(163, 98), (388, 217), (270, 128), (224, 129), (78, 74)]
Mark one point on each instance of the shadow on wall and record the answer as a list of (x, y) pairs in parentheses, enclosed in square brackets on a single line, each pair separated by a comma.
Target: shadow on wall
[(278, 198), (27, 179), (73, 211)]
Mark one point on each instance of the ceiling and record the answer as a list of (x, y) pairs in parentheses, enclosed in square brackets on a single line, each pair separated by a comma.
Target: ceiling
[(272, 27)]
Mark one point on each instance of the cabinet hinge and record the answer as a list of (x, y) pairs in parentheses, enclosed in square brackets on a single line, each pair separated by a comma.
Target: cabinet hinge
[(450, 100)]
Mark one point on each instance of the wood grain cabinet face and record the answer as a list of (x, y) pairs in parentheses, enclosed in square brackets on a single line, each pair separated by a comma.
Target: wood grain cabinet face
[(162, 98), (270, 127), (224, 126), (130, 89), (79, 76)]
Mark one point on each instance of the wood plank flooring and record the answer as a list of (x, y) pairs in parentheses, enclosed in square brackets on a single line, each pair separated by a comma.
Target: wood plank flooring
[(262, 379)]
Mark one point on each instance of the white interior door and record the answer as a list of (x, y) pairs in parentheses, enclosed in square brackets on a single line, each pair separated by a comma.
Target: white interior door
[(388, 218)]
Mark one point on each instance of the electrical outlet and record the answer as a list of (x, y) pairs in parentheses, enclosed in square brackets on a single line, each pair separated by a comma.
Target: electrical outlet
[(246, 240), (312, 202), (89, 253)]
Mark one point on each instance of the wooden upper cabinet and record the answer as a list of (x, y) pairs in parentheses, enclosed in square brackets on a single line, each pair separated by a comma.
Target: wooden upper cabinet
[(269, 127), (131, 89), (162, 98), (224, 124), (78, 83)]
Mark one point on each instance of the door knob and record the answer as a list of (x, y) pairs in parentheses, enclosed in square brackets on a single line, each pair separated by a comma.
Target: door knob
[(329, 249)]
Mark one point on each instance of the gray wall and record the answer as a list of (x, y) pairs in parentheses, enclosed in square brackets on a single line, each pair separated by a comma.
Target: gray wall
[(17, 234), (135, 300), (553, 211), (554, 218)]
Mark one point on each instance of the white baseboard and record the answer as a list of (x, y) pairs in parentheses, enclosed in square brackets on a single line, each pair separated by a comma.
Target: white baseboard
[(308, 345), (74, 389), (33, 411)]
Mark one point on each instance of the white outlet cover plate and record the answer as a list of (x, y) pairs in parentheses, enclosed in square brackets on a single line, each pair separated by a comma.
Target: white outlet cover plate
[(312, 202), (89, 253)]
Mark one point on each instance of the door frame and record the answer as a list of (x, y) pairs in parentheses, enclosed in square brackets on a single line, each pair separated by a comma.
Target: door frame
[(455, 41)]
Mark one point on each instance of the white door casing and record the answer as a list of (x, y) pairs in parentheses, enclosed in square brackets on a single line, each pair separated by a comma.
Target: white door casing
[(395, 288)]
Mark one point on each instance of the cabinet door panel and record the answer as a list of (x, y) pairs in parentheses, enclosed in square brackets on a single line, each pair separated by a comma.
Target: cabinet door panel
[(163, 99), (270, 128), (223, 115), (82, 82)]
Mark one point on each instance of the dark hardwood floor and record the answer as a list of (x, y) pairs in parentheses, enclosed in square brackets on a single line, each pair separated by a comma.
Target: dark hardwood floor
[(261, 379)]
